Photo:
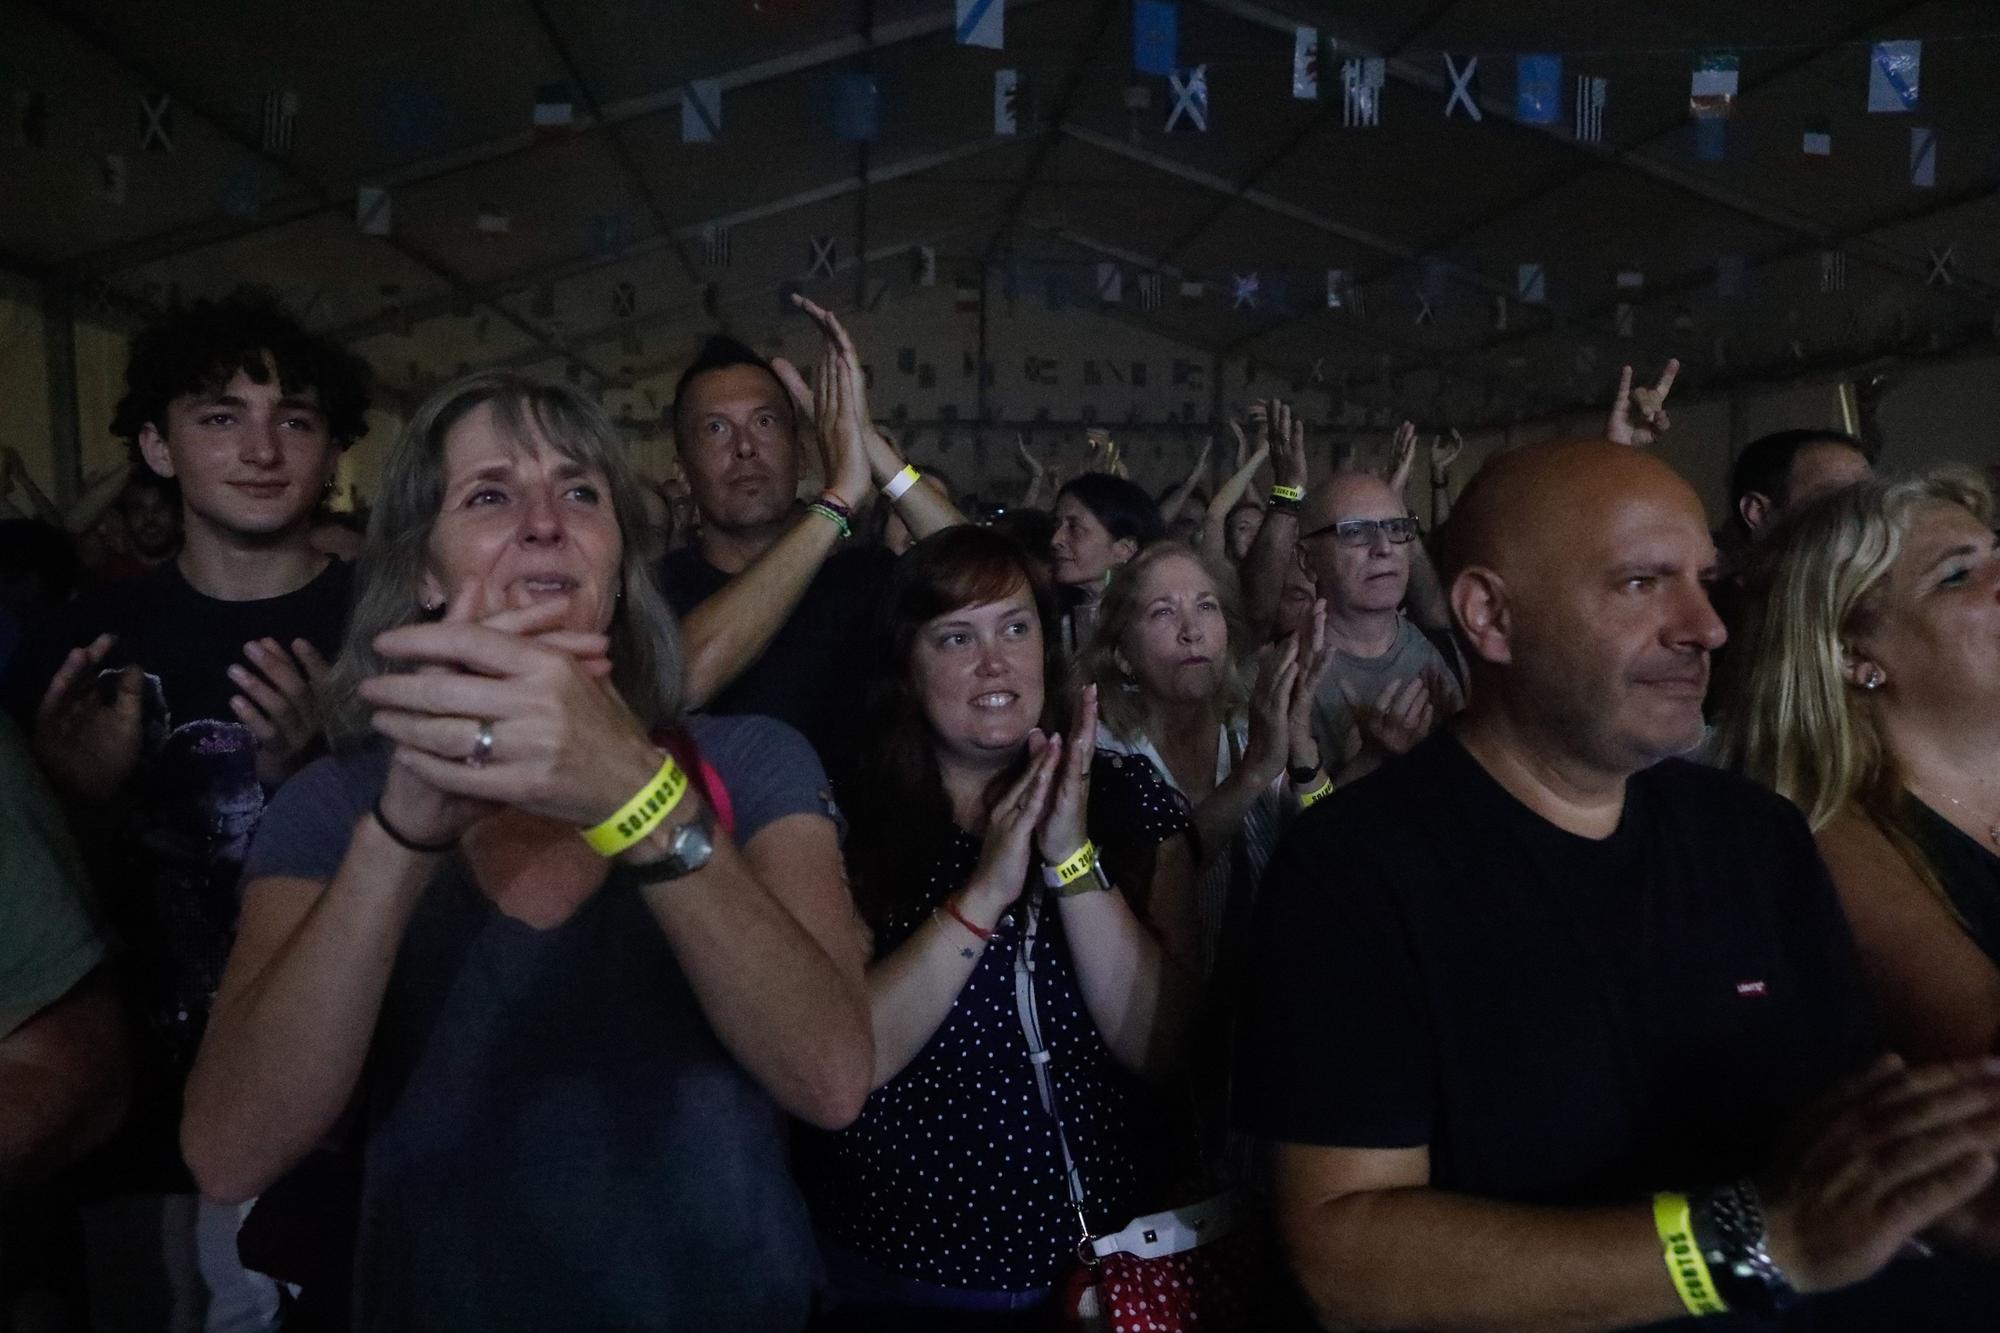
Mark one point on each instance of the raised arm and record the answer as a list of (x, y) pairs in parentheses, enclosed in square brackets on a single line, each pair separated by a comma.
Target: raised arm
[(1374, 1246), (1639, 416), (1214, 525), (1443, 455), (1041, 477), (1264, 570), (732, 628), (1170, 509)]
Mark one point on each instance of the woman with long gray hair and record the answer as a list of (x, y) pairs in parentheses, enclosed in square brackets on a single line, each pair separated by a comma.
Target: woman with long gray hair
[(570, 956)]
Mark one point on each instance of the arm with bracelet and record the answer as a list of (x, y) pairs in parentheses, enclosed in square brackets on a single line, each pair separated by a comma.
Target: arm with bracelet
[(1137, 972), (1215, 523), (1264, 570)]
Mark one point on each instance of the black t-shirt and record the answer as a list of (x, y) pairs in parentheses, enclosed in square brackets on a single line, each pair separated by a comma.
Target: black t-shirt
[(816, 672), (1559, 1020), (166, 856)]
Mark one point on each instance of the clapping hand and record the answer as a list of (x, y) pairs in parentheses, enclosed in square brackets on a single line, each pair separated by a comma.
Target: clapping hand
[(1401, 716), (87, 725), (1403, 455), (1064, 826), (1443, 455), (1639, 416), (281, 702), (839, 410)]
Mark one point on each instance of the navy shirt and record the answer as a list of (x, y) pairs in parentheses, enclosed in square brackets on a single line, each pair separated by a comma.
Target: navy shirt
[(952, 1173), (556, 1139)]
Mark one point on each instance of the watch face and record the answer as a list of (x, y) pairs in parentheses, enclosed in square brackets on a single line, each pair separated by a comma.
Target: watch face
[(692, 847)]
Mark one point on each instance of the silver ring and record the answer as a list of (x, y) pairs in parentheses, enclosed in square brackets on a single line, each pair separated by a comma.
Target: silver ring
[(482, 746)]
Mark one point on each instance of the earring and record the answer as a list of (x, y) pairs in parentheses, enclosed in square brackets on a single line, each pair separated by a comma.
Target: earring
[(1874, 681)]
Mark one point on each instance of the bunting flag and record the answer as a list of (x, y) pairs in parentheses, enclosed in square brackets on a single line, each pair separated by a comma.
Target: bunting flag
[(1245, 297), (1361, 83), (555, 109), (981, 23), (701, 111), (492, 222), (967, 300), (1892, 76), (281, 117), (1731, 277), (1712, 86), (1336, 288), (1923, 158), (1193, 289), (1817, 141), (1538, 89), (1461, 87), (1006, 101), (923, 265), (1151, 291), (1156, 26), (1943, 266), (156, 129), (372, 211), (624, 301), (819, 263), (1190, 98), (1832, 271), (1630, 279), (1110, 284), (1531, 285), (715, 245), (1305, 64), (857, 108), (1591, 91)]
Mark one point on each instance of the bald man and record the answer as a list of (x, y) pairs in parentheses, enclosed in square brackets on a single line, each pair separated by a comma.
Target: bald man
[(1539, 971), (1390, 683)]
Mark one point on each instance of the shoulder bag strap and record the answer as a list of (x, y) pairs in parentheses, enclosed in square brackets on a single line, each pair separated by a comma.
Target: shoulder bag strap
[(1039, 1057)]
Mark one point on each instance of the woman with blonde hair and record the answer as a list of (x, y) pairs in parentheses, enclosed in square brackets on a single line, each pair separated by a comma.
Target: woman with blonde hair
[(1872, 700), (1172, 664)]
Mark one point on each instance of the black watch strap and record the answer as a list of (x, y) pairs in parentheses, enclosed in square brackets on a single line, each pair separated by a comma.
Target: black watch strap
[(1302, 774)]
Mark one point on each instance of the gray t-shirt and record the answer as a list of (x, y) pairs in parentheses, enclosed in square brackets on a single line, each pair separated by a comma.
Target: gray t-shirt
[(1367, 677), (555, 1136)]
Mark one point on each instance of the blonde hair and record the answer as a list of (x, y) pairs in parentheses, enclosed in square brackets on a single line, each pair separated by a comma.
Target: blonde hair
[(1120, 706), (646, 659), (1795, 722)]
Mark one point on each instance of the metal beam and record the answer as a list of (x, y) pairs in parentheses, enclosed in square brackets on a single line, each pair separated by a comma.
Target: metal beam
[(219, 231), (578, 266), (89, 33), (1071, 86)]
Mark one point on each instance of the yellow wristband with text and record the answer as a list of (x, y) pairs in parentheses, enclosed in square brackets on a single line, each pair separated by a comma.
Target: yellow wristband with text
[(899, 485), (1685, 1265), (1292, 493), (1309, 799), (1075, 868), (642, 814)]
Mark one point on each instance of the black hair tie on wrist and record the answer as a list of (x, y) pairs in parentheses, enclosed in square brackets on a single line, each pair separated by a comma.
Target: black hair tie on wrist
[(406, 843)]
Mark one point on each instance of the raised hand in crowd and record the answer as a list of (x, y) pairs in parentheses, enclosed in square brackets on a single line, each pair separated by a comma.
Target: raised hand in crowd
[(1176, 501), (1444, 453), (1044, 479), (1266, 568), (1402, 459), (1101, 454), (87, 727), (281, 702), (1639, 416)]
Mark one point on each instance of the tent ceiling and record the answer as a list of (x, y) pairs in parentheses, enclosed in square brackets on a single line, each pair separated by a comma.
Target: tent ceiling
[(432, 101)]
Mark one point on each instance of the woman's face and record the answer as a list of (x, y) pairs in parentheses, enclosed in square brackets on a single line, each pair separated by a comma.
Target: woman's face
[(977, 673), (1178, 645), (1083, 548), (527, 523), (1936, 632)]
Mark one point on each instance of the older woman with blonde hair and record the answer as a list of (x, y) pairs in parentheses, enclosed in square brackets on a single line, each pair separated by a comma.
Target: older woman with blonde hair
[(570, 956), (1871, 699)]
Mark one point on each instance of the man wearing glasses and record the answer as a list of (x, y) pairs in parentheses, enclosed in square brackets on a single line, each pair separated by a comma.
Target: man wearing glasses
[(1392, 680)]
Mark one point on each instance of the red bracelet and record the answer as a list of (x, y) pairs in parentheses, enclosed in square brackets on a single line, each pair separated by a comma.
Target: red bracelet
[(979, 931)]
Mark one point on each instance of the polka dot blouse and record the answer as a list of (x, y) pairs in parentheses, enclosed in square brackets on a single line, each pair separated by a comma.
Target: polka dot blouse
[(952, 1173)]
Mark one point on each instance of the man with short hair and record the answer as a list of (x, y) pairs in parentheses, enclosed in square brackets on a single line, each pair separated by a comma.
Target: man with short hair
[(1780, 472), (1536, 1003), (779, 617), (1392, 680), (167, 707), (152, 518)]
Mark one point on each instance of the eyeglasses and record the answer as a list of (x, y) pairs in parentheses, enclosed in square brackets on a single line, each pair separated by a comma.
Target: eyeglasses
[(1360, 532)]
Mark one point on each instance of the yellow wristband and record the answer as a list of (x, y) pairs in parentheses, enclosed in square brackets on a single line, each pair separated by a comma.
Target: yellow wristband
[(1308, 799), (899, 485), (642, 814), (1293, 493), (1671, 1218), (1075, 868)]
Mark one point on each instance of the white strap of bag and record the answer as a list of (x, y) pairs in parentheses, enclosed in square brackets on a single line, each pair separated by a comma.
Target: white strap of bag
[(1038, 1060)]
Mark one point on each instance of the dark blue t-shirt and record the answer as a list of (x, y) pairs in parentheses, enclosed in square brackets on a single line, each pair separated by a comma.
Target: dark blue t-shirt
[(555, 1136)]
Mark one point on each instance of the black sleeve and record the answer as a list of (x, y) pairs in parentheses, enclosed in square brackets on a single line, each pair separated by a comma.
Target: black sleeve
[(1132, 811), (1335, 1046), (1824, 958)]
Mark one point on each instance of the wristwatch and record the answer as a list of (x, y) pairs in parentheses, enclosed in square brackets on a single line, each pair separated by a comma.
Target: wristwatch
[(688, 850)]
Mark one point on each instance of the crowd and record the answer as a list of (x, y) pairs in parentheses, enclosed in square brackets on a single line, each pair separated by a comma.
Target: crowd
[(779, 903)]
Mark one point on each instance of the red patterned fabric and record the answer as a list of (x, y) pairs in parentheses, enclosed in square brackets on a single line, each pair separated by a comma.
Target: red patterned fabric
[(1224, 1287)]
